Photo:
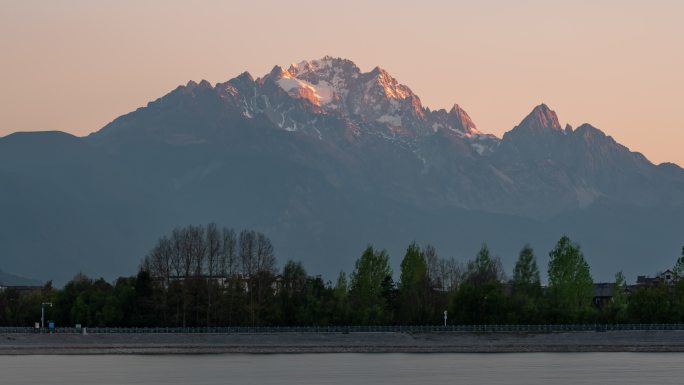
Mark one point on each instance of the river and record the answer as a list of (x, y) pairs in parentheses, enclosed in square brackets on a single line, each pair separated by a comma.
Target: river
[(511, 368)]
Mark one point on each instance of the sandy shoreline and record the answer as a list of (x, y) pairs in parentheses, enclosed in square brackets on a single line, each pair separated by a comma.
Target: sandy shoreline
[(278, 343)]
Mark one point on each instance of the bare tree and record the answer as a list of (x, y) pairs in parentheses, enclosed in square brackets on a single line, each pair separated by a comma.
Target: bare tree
[(248, 252), (213, 252), (177, 267), (266, 260), (266, 268), (258, 266), (229, 267), (177, 252), (228, 263), (198, 249), (451, 272), (433, 266), (188, 238), (158, 261), (248, 259), (186, 255), (196, 255)]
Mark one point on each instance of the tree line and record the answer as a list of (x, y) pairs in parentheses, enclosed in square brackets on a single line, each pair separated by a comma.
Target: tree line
[(210, 276)]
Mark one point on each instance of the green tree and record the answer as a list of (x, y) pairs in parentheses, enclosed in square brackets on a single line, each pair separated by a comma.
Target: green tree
[(292, 295), (369, 287), (144, 305), (526, 272), (480, 304), (481, 298), (679, 265), (650, 305), (232, 304), (294, 277), (484, 268), (571, 287), (120, 309), (616, 311), (526, 287), (414, 287), (316, 301), (340, 311), (678, 301)]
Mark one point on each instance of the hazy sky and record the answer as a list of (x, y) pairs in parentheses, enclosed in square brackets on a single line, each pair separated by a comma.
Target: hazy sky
[(76, 65)]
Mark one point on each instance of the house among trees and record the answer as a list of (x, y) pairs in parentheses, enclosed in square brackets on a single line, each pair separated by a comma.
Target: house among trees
[(603, 294), (217, 280), (604, 291), (222, 281), (19, 288), (667, 277)]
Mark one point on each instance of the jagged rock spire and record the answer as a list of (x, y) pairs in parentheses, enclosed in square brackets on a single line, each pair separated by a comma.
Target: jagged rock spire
[(541, 118), (460, 120)]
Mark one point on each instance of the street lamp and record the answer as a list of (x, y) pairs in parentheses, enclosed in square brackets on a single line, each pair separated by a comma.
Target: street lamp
[(42, 314)]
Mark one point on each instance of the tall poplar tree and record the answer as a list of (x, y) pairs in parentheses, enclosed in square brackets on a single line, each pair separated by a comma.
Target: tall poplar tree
[(526, 294), (367, 293), (570, 284), (414, 287), (526, 272)]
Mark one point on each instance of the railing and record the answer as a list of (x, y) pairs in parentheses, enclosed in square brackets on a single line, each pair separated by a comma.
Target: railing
[(555, 328)]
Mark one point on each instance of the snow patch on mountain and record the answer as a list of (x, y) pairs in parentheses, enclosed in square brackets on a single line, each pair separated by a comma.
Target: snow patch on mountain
[(393, 120), (478, 147), (332, 99), (322, 92)]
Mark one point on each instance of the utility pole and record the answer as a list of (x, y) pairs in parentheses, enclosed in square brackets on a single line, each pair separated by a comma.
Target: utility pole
[(42, 314)]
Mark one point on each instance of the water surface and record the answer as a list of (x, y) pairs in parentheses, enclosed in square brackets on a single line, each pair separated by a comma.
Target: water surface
[(512, 368)]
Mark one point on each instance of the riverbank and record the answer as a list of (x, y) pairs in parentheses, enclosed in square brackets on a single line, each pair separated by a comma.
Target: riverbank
[(612, 341)]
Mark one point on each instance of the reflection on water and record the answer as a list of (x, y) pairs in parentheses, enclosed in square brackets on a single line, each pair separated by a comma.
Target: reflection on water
[(516, 368)]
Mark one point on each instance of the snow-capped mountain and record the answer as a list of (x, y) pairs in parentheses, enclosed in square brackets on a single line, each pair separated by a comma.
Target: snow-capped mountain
[(332, 99), (325, 158)]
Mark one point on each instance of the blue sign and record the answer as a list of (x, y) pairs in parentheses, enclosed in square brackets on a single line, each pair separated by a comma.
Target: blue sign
[(51, 325)]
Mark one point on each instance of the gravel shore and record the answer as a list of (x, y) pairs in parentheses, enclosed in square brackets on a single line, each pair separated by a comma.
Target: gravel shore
[(612, 341)]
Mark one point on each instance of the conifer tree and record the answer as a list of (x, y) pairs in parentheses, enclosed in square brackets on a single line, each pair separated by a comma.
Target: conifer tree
[(526, 272)]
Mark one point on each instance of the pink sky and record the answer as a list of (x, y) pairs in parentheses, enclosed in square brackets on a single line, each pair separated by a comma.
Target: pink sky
[(76, 65)]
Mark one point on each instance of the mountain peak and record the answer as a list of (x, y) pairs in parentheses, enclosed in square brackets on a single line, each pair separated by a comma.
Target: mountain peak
[(389, 85), (245, 76), (541, 118), (460, 120), (277, 72), (202, 84), (588, 131), (322, 66), (376, 71)]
